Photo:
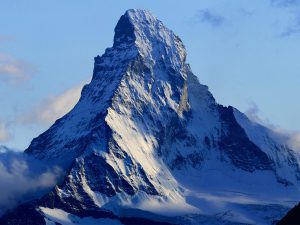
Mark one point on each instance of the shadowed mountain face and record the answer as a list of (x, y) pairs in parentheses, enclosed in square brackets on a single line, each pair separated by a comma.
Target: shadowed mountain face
[(292, 217), (147, 135)]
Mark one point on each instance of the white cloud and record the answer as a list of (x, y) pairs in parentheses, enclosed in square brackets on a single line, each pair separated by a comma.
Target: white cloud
[(4, 133), (14, 71), (23, 178), (291, 138), (252, 112), (54, 107)]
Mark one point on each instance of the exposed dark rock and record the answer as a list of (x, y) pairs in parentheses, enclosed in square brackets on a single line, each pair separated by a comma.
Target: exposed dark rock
[(25, 214), (235, 143), (292, 217)]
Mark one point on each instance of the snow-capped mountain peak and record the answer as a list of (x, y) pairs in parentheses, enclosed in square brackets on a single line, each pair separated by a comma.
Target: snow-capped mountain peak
[(147, 135), (151, 38)]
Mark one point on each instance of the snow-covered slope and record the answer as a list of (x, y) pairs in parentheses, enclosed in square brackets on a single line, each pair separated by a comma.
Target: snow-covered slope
[(146, 135)]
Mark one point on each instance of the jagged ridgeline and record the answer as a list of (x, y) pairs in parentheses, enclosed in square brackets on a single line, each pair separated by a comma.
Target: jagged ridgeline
[(148, 144)]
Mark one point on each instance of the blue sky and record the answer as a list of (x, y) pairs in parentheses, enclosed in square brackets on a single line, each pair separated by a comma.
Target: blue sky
[(247, 52)]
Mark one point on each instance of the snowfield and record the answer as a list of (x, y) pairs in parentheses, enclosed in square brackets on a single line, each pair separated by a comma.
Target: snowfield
[(54, 216)]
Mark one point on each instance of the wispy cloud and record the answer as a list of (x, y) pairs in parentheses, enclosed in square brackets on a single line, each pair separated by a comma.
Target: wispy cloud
[(285, 3), (292, 7), (291, 138), (291, 31), (293, 28), (5, 38), (14, 71), (252, 112), (294, 141), (54, 107), (23, 178), (246, 12), (4, 133), (209, 17)]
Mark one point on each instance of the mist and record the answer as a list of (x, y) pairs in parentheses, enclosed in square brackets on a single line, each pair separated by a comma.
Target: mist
[(23, 178), (290, 137)]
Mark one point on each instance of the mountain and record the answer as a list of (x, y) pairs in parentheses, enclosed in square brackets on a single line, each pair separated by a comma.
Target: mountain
[(292, 217), (147, 143)]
